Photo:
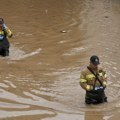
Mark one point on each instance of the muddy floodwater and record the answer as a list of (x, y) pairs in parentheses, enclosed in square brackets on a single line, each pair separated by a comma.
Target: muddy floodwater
[(52, 43)]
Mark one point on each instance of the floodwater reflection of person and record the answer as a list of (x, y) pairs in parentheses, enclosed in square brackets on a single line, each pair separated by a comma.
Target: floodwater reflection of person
[(93, 79)]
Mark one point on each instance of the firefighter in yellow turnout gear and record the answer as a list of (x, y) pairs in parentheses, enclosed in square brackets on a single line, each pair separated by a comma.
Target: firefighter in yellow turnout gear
[(5, 33), (93, 79)]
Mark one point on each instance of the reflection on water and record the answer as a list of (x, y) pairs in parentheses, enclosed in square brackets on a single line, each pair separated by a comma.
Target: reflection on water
[(40, 78)]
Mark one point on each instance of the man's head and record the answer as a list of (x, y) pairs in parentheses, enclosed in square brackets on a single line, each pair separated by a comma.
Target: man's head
[(94, 60)]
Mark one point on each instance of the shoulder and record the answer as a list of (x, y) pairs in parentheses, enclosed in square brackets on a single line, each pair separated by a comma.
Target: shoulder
[(101, 68), (84, 70)]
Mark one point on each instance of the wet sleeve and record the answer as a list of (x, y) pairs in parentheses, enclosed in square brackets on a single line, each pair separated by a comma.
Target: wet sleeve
[(7, 31), (83, 82), (104, 78)]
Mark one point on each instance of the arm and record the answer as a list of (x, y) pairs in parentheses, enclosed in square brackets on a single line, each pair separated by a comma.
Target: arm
[(7, 31), (103, 77), (83, 82)]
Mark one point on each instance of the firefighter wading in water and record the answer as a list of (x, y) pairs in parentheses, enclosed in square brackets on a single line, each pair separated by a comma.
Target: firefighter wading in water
[(5, 33), (93, 79)]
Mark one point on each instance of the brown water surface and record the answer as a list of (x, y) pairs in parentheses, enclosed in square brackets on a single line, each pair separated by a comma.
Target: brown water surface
[(52, 42)]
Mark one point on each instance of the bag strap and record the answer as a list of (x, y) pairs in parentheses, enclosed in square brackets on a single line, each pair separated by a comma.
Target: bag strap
[(96, 75)]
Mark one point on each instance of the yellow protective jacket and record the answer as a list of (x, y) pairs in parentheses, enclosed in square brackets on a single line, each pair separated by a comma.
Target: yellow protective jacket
[(5, 32), (87, 79)]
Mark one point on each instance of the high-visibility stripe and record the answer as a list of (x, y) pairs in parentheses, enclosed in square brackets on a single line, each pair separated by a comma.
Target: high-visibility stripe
[(90, 77), (1, 33), (88, 87), (101, 74), (83, 80), (105, 76), (104, 83)]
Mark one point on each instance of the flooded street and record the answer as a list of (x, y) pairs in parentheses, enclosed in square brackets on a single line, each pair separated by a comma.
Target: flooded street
[(53, 41)]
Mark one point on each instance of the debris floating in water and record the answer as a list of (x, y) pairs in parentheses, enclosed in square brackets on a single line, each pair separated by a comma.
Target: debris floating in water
[(63, 31), (106, 16)]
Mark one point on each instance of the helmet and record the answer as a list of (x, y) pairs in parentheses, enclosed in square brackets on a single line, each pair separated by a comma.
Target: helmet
[(95, 60)]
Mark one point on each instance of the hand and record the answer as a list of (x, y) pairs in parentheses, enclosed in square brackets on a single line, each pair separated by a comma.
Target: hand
[(104, 84)]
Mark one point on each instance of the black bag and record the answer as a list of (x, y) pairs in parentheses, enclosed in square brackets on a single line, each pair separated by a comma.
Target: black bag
[(92, 97)]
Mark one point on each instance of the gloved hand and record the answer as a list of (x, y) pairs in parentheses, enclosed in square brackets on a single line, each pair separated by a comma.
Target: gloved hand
[(104, 84)]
